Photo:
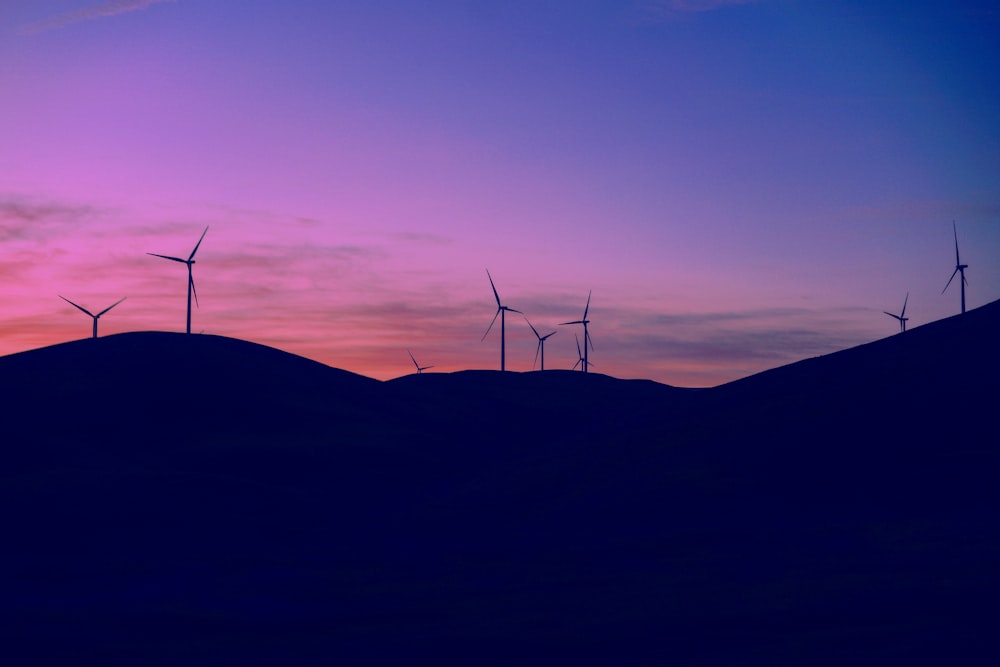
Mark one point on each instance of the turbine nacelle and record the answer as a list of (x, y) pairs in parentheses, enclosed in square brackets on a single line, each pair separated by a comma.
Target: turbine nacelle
[(959, 269), (582, 360), (541, 343), (192, 290), (502, 311), (420, 369), (97, 316), (588, 344), (902, 318)]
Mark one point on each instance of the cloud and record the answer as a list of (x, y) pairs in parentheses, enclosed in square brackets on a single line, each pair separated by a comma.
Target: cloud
[(674, 7), (22, 219), (108, 8), (421, 237)]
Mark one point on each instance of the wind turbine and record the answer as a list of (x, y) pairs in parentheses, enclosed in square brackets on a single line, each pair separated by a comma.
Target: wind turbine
[(420, 369), (502, 312), (586, 334), (959, 268), (98, 315), (190, 262), (902, 316), (541, 344), (581, 354)]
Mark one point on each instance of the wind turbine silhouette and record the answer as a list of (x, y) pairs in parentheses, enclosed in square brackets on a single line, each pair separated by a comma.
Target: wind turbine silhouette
[(502, 312), (541, 344), (582, 356), (959, 268), (420, 369), (586, 334), (190, 262), (902, 316), (98, 315)]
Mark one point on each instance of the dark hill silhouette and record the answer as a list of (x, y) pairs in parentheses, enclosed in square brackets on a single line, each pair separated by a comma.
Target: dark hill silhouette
[(173, 499)]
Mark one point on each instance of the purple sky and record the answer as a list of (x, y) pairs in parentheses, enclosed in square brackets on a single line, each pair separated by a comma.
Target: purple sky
[(741, 184)]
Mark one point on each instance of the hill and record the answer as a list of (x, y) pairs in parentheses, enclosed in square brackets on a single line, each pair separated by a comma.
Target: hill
[(176, 499)]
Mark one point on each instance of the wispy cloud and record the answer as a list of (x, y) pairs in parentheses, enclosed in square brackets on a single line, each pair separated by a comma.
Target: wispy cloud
[(674, 7), (27, 219), (108, 8)]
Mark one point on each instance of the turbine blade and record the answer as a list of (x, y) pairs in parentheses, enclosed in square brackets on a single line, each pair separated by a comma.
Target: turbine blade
[(495, 295), (511, 310), (904, 304), (532, 328), (426, 367), (549, 334), (175, 259), (949, 281), (198, 244), (193, 291), (579, 352), (587, 339), (413, 360), (587, 308), (537, 350), (111, 306), (955, 229), (75, 305), (578, 361), (492, 322), (573, 322)]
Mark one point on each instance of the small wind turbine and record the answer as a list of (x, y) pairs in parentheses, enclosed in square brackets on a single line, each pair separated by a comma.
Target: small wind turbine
[(502, 313), (541, 344), (586, 334), (582, 356), (902, 316), (98, 315), (959, 268), (420, 369), (190, 262)]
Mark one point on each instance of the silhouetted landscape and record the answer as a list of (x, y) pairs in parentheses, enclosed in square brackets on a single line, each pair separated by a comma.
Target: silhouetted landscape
[(194, 499)]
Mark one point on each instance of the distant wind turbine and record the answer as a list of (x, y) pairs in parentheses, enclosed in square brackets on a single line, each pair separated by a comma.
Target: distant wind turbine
[(98, 315), (582, 356), (502, 313), (190, 262), (959, 268), (420, 369), (586, 334), (902, 316), (541, 344)]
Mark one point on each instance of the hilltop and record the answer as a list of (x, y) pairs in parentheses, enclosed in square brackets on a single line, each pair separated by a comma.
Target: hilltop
[(177, 499)]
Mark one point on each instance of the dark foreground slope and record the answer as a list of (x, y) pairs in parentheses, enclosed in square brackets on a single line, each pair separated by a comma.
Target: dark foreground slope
[(176, 499)]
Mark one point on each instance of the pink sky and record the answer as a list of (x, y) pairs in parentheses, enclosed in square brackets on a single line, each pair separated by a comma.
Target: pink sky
[(740, 184)]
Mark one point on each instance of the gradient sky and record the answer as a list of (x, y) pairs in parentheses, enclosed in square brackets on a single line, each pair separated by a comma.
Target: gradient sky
[(741, 184)]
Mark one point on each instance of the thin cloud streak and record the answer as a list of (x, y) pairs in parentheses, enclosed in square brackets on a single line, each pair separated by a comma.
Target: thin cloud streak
[(674, 7), (109, 8), (24, 219)]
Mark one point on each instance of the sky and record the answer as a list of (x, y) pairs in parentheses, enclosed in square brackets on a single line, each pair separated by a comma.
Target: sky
[(738, 184)]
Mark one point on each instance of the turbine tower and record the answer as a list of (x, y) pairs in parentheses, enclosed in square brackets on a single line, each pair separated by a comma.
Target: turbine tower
[(582, 356), (98, 315), (586, 334), (190, 262), (502, 312), (541, 344), (420, 369), (902, 316), (959, 268)]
